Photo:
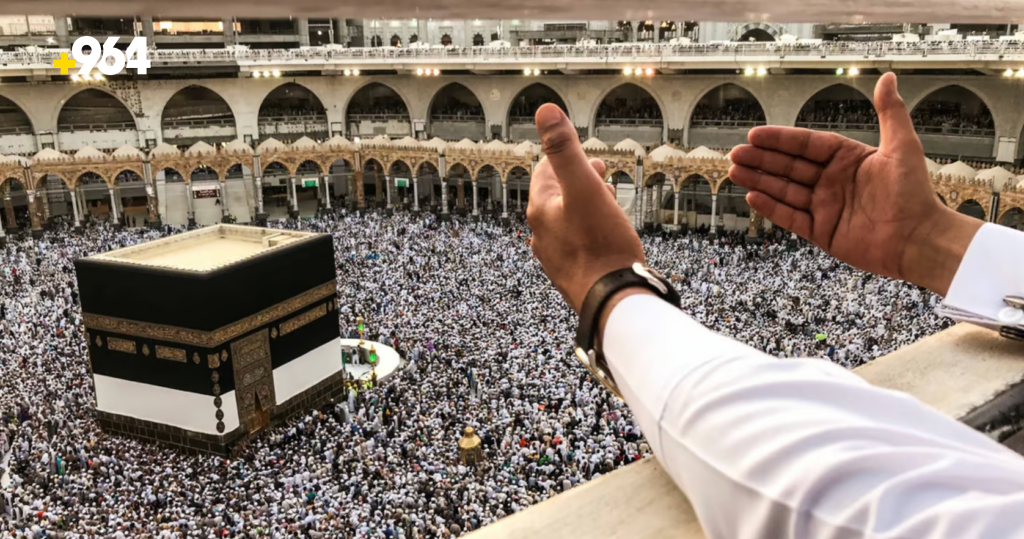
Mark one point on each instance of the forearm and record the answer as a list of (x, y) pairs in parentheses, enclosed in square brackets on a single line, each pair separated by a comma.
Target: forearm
[(800, 448), (937, 247)]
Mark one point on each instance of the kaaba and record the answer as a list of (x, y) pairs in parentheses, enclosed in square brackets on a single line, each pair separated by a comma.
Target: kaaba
[(201, 339)]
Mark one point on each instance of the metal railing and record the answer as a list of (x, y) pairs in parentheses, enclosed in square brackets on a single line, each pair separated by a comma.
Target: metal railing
[(650, 122), (377, 117), (16, 130), (199, 122), (727, 123), (457, 118), (951, 130), (623, 52), (113, 126), (838, 126)]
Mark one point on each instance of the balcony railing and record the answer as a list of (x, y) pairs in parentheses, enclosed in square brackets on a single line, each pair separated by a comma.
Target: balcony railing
[(837, 126), (955, 131), (107, 126), (625, 52), (649, 122), (727, 124), (377, 117), (15, 130), (457, 118)]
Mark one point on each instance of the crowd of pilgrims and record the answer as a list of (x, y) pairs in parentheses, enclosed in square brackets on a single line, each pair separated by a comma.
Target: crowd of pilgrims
[(839, 111), (644, 109), (488, 344), (951, 114), (732, 110)]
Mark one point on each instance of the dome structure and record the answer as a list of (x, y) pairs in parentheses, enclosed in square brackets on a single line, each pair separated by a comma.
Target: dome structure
[(127, 152), (933, 167), (237, 146), (665, 151), (48, 154), (435, 143), (271, 145), (631, 145), (338, 142), (594, 144), (89, 152), (999, 176), (703, 152), (200, 148), (958, 169), (304, 143), (164, 149)]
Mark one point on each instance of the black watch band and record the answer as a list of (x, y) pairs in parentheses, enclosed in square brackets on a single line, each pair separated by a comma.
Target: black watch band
[(587, 350)]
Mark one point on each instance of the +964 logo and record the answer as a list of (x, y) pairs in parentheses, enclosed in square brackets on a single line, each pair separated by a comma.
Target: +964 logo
[(108, 59)]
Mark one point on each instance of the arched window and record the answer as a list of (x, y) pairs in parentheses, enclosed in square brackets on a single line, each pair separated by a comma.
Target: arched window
[(376, 41), (414, 38), (396, 41), (478, 40), (446, 40)]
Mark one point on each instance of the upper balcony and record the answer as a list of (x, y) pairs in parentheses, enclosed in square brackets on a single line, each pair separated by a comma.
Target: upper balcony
[(993, 56)]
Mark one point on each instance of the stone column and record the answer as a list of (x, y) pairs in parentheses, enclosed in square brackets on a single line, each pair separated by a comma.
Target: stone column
[(657, 31), (657, 204), (34, 214), (643, 206), (147, 30), (460, 195), (359, 191), (302, 28), (387, 193), (44, 202), (224, 201), (476, 209), (714, 213), (60, 28), (3, 237), (12, 224), (75, 209), (635, 28), (444, 198), (258, 181), (152, 199), (83, 204), (416, 194), (519, 197), (229, 31), (327, 190), (190, 204), (675, 211), (378, 196), (113, 205), (504, 200), (294, 199)]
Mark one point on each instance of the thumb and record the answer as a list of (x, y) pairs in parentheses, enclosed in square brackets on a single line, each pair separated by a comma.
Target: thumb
[(579, 181), (895, 128)]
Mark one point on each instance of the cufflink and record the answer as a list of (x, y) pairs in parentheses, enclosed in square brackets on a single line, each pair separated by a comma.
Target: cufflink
[(1011, 318)]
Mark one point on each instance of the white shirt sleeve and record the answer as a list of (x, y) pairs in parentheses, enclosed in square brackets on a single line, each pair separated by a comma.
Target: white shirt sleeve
[(992, 269), (801, 448)]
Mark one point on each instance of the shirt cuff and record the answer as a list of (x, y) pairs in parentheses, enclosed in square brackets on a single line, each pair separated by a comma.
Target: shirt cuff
[(992, 269)]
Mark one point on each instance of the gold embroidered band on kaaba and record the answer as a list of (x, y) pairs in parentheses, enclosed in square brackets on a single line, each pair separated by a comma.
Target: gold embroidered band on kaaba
[(208, 339)]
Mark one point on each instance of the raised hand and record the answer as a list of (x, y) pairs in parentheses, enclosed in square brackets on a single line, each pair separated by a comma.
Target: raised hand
[(873, 208), (580, 232)]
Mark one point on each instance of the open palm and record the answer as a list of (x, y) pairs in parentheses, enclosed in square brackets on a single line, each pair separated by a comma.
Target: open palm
[(866, 206)]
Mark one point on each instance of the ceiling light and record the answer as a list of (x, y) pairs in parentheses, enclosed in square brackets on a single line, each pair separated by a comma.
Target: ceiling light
[(419, 71), (840, 71), (1020, 73), (98, 76), (855, 71), (355, 72), (266, 73), (437, 72), (1008, 73), (761, 71), (627, 71), (255, 74), (75, 78), (348, 72), (277, 73), (536, 72), (649, 72), (529, 72), (748, 71)]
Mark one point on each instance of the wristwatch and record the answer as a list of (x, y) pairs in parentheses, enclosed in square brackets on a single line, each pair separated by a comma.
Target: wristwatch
[(587, 350)]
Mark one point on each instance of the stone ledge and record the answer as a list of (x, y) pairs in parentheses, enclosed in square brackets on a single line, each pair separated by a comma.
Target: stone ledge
[(963, 372)]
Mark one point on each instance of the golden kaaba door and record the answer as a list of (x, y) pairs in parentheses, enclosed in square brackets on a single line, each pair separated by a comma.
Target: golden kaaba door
[(254, 380)]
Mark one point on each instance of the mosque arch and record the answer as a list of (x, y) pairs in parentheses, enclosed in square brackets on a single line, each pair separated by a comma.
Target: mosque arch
[(727, 105), (523, 107), (92, 107), (197, 113), (374, 104), (292, 111), (756, 34), (203, 173), (1013, 218), (629, 110), (455, 112), (953, 109), (972, 208), (839, 106), (13, 118)]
